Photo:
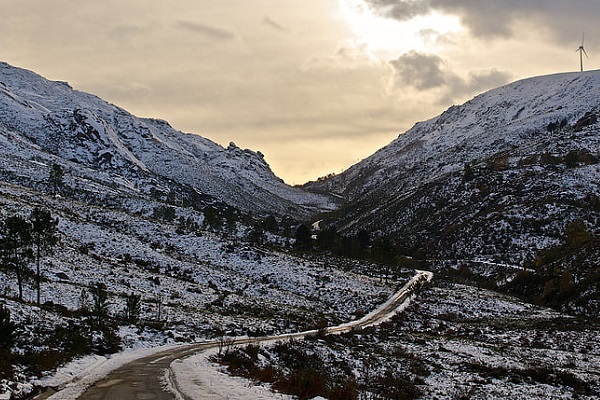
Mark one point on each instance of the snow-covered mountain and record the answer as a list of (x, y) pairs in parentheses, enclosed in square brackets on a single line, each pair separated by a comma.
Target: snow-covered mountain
[(500, 176), (44, 122)]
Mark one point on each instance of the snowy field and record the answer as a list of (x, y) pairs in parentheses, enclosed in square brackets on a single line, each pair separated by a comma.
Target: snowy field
[(457, 341)]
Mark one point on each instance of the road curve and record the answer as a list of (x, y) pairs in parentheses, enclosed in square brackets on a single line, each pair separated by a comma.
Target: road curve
[(144, 378)]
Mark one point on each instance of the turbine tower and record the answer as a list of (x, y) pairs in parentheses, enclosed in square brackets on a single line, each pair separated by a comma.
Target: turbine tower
[(582, 51)]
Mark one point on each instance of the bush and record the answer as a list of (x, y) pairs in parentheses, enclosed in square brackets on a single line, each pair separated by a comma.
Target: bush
[(345, 390), (305, 383), (71, 340), (393, 387), (106, 341), (297, 372), (8, 330)]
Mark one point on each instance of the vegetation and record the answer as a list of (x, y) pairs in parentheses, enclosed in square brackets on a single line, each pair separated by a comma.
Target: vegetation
[(133, 306), (305, 369), (8, 337), (303, 237), (298, 372), (99, 309), (23, 240), (565, 277), (8, 330), (15, 248), (56, 179), (44, 237)]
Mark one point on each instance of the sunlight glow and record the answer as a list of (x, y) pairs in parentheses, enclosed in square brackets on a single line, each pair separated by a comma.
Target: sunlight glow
[(386, 35)]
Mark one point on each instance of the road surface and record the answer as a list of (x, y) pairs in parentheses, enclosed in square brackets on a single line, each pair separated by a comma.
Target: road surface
[(143, 379)]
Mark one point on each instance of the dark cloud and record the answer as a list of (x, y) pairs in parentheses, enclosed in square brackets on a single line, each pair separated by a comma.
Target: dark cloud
[(495, 18), (213, 32), (426, 72), (419, 70), (483, 17), (400, 9), (274, 24)]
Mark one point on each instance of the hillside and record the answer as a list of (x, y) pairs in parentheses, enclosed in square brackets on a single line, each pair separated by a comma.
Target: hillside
[(509, 177), (499, 176), (44, 122)]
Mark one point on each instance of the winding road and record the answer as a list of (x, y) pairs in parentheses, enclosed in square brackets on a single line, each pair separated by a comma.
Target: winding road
[(144, 378)]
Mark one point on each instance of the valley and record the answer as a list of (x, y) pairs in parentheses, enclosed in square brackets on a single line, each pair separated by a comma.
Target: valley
[(166, 240)]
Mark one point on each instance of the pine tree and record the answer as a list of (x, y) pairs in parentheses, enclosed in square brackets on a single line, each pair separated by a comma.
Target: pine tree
[(133, 308), (44, 232), (99, 304), (15, 248), (303, 237), (55, 178)]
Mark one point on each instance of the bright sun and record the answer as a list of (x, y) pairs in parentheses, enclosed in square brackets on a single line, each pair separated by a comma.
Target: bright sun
[(387, 35)]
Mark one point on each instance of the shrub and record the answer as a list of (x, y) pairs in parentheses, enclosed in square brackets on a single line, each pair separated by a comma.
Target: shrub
[(8, 330), (305, 383), (393, 387)]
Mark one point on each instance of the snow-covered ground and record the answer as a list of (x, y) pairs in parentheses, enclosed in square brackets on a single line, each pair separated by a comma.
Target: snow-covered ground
[(458, 341), (196, 377), (454, 341), (195, 284), (198, 282), (199, 378)]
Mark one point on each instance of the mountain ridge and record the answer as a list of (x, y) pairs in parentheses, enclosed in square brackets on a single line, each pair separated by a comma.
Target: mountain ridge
[(410, 147), (45, 116)]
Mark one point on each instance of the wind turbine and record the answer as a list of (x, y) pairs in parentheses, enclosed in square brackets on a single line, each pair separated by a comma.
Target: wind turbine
[(582, 51)]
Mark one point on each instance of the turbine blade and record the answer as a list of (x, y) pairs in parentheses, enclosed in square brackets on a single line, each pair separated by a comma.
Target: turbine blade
[(585, 52)]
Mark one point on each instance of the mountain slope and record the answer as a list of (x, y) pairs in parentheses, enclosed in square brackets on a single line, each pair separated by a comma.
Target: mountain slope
[(497, 177), (51, 122)]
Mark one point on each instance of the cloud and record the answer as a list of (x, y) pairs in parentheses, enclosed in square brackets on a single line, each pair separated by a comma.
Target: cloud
[(402, 10), (349, 54), (274, 24), (493, 18), (476, 82), (481, 80), (428, 72), (419, 70), (125, 30), (482, 17), (213, 32)]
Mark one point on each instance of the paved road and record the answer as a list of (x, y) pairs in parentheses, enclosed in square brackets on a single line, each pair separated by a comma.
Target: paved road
[(143, 379)]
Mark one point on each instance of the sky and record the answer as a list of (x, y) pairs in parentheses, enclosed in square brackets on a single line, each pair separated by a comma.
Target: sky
[(315, 85)]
